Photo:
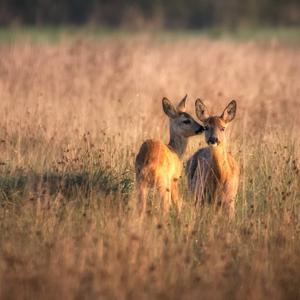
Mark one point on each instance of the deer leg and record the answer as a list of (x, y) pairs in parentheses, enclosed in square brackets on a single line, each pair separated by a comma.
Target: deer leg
[(165, 193), (231, 208), (200, 191), (142, 193)]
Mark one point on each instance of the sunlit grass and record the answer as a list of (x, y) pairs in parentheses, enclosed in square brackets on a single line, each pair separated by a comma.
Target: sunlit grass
[(72, 117)]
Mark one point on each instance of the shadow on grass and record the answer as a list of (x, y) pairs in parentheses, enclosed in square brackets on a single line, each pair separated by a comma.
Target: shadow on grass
[(25, 183)]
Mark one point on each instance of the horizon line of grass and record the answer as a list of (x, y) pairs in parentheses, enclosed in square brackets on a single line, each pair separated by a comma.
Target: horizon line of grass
[(55, 34)]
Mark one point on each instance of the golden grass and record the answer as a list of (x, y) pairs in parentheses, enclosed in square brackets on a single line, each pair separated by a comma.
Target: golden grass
[(72, 117)]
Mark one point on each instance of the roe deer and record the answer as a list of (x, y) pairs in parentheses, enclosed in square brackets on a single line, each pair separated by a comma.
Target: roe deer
[(159, 165), (212, 172)]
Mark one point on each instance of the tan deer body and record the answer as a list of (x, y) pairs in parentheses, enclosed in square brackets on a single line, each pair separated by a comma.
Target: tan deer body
[(213, 173), (158, 165)]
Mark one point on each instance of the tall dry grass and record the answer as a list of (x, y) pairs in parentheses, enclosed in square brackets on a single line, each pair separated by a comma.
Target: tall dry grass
[(72, 116)]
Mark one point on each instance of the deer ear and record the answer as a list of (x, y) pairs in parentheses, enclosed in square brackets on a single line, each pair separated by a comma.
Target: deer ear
[(201, 110), (181, 105), (229, 112), (169, 109)]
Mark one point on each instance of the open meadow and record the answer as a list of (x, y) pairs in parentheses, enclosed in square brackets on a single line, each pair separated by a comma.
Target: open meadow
[(73, 114)]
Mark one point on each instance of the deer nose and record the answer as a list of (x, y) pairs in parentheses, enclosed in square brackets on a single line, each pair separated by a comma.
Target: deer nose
[(200, 130), (213, 140)]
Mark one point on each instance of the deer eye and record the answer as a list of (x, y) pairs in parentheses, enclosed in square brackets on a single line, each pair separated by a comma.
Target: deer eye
[(222, 128), (186, 121)]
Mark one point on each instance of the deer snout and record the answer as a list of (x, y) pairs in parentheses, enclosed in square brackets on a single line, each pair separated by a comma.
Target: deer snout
[(213, 140), (200, 130)]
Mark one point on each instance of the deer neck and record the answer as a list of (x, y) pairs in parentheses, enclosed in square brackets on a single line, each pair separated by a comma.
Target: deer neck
[(177, 143), (219, 160)]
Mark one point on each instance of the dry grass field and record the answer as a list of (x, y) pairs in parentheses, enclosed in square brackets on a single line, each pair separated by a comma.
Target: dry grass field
[(73, 114)]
